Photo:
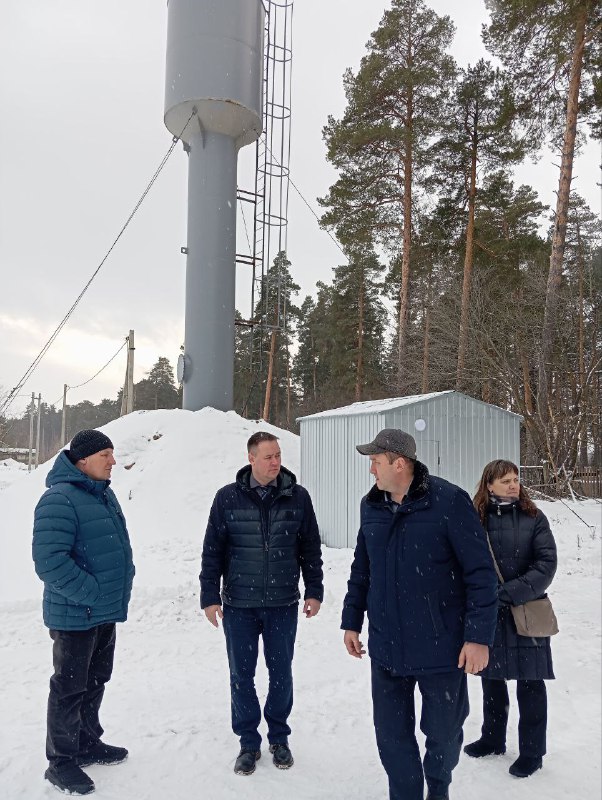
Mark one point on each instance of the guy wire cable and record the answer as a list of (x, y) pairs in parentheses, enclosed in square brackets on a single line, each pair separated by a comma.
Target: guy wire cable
[(34, 364)]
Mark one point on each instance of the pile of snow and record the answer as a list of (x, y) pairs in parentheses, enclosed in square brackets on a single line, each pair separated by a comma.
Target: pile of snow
[(170, 463), (10, 471), (169, 698)]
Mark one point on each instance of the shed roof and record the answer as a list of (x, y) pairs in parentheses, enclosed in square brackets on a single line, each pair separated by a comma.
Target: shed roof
[(390, 403)]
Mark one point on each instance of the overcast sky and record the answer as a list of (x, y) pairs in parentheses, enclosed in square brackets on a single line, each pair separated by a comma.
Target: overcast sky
[(81, 94)]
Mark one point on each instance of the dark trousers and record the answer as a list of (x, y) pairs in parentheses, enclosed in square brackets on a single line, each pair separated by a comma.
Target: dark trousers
[(83, 662), (533, 715), (278, 628), (444, 709)]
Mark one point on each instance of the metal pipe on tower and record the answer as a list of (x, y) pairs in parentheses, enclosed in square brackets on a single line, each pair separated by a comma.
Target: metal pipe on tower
[(213, 102)]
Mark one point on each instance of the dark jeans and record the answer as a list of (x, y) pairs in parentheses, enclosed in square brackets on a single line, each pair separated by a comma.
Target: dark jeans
[(533, 715), (278, 628), (83, 662), (444, 709)]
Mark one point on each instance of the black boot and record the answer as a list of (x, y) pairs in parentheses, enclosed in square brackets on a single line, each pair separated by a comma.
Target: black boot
[(482, 748), (70, 779), (524, 766), (245, 763), (283, 758), (437, 796), (102, 753)]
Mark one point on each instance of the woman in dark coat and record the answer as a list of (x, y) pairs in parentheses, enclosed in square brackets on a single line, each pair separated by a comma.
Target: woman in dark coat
[(524, 549)]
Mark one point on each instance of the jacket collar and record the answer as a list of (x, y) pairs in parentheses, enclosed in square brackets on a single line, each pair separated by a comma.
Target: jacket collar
[(64, 471), (418, 493), (499, 508), (284, 482)]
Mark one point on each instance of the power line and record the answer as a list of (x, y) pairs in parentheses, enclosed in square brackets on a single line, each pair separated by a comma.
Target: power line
[(96, 374), (35, 363)]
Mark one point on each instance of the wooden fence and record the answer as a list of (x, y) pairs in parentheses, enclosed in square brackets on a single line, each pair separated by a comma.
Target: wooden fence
[(584, 481)]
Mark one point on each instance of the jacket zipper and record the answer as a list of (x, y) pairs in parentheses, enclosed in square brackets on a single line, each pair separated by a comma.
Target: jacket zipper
[(266, 548), (515, 529), (121, 533)]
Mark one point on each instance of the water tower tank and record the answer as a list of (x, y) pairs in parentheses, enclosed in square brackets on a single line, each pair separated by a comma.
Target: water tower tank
[(213, 101)]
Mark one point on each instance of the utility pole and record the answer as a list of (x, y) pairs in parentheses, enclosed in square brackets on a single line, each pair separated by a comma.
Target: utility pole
[(38, 430), (64, 420), (31, 411), (127, 400)]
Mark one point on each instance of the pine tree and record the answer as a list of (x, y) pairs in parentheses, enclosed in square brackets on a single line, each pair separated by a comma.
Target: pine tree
[(245, 378), (273, 392), (394, 108), (358, 318), (552, 48), (306, 359), (478, 140), (505, 309), (159, 389)]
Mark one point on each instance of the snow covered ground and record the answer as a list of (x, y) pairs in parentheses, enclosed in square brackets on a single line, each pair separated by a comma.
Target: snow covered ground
[(168, 701)]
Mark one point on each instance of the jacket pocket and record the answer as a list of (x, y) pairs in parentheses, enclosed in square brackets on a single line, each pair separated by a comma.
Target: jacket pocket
[(432, 599)]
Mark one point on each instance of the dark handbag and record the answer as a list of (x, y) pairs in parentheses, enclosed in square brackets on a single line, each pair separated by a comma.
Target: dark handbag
[(536, 618)]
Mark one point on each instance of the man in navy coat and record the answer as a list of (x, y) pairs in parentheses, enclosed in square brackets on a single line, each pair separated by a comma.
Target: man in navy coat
[(81, 550), (423, 573)]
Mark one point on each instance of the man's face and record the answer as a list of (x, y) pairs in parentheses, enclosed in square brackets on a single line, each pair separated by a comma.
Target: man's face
[(98, 466), (387, 475), (265, 462)]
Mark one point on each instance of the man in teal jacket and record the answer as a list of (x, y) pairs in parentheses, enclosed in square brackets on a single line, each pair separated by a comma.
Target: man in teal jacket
[(81, 550)]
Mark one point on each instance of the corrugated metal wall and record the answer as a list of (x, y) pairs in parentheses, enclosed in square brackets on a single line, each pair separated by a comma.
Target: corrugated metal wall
[(461, 435)]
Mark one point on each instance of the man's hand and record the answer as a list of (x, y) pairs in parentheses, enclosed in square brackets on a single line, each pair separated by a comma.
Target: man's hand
[(352, 642), (212, 613), (473, 657), (311, 607)]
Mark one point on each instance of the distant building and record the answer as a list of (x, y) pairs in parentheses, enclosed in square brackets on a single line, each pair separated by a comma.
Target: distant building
[(20, 454), (456, 436)]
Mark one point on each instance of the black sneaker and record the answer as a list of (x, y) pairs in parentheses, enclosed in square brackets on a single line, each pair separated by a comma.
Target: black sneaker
[(282, 756), (482, 748), (245, 763), (102, 753), (524, 766), (69, 778)]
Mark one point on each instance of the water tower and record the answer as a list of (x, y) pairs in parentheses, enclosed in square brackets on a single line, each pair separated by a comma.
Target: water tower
[(213, 102)]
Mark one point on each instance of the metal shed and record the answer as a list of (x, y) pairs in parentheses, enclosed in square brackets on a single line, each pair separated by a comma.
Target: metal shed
[(456, 436)]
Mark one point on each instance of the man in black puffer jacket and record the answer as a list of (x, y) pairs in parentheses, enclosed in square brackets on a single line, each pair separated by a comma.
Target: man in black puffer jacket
[(261, 535)]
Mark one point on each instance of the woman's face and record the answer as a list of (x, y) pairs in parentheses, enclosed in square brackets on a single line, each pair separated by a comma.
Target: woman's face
[(507, 487)]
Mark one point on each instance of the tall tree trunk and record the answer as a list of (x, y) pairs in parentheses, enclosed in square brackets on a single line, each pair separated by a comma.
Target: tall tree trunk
[(405, 255), (583, 405), (426, 344), (596, 427), (526, 383), (359, 373), (468, 262), (313, 368), (561, 215), (288, 387), (268, 385)]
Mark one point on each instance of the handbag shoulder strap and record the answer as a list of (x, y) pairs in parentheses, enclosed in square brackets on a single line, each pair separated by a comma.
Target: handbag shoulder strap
[(497, 569)]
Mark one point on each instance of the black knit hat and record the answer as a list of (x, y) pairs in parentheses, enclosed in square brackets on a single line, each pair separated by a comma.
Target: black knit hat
[(86, 443)]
